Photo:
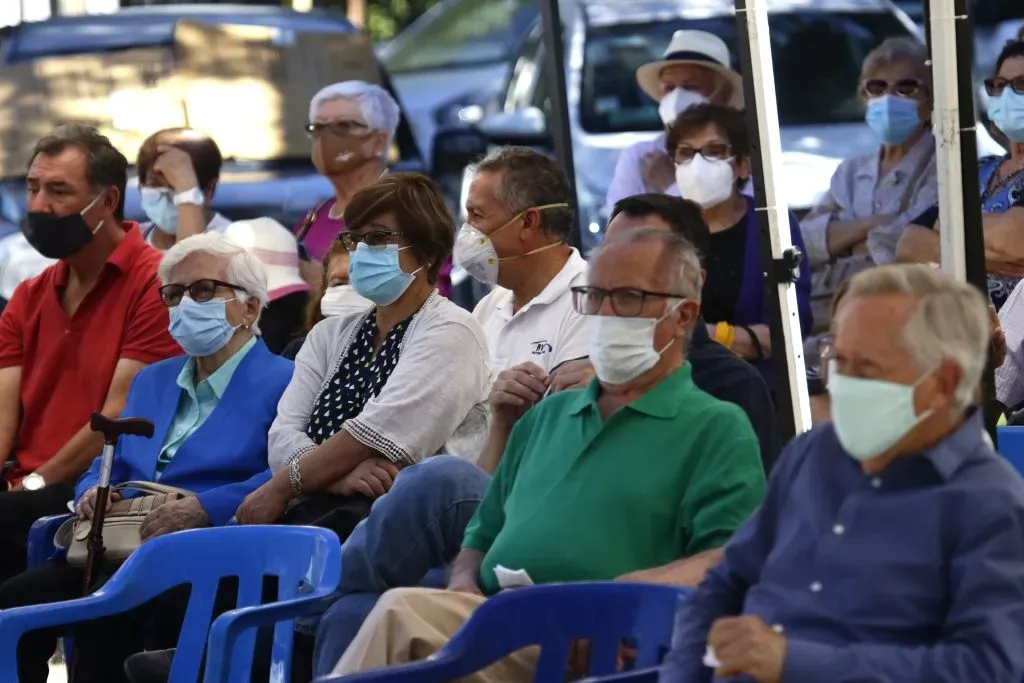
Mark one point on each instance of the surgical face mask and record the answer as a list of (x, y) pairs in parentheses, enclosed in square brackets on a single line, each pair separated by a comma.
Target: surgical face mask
[(675, 102), (59, 237), (1007, 112), (201, 328), (707, 182), (870, 415), (342, 300), (474, 251), (377, 274), (893, 119), (622, 349), (158, 205)]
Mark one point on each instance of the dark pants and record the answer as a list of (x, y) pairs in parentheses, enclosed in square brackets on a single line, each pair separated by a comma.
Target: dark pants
[(18, 511)]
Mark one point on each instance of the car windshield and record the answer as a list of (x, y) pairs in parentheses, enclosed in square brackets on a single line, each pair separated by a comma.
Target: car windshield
[(464, 33), (817, 59)]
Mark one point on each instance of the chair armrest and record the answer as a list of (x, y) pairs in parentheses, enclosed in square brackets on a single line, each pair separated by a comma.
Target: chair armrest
[(440, 669), (230, 626), (639, 676), (40, 540)]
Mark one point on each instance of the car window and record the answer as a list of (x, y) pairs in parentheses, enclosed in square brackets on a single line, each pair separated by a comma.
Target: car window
[(466, 32), (817, 59)]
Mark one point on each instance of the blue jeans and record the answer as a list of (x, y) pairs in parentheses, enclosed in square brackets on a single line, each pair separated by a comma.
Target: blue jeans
[(409, 536)]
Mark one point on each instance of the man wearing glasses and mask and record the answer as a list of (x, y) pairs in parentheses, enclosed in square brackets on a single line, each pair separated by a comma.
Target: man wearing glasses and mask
[(72, 338)]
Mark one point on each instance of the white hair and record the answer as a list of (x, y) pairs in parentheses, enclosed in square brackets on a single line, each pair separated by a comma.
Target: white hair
[(950, 320), (377, 105), (680, 257), (898, 50), (243, 269)]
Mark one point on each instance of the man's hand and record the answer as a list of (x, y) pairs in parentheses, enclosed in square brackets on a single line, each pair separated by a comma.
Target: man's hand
[(658, 170), (515, 391), (998, 338), (747, 645), (572, 374), (87, 503), (372, 478), (178, 515), (265, 505), (176, 166), (464, 585)]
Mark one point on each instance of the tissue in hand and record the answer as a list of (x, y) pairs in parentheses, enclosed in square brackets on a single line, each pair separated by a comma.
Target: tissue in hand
[(710, 660)]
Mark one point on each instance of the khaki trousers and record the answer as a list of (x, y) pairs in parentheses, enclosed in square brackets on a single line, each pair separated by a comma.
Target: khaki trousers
[(410, 624)]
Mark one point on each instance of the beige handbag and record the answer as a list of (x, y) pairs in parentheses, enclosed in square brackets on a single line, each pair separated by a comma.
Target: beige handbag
[(121, 524)]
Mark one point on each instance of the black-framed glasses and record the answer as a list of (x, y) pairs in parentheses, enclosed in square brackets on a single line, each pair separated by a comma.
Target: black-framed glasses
[(713, 151), (904, 87), (199, 291), (995, 86), (341, 127), (627, 302), (372, 238)]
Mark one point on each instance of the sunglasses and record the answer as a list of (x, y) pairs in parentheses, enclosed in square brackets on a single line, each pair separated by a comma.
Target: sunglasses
[(713, 151), (199, 291), (340, 128), (995, 86), (372, 238), (904, 87)]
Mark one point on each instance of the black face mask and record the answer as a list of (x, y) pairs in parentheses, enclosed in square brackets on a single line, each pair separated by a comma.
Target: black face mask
[(59, 237)]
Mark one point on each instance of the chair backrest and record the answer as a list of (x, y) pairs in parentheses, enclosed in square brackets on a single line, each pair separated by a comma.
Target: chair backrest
[(1011, 445), (553, 616)]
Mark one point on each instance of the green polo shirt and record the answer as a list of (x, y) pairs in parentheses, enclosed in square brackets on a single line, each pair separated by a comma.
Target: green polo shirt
[(579, 498)]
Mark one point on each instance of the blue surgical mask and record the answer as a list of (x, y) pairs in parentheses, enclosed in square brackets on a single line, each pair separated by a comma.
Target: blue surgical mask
[(376, 273), (158, 205), (201, 328), (893, 119), (1007, 112), (871, 416)]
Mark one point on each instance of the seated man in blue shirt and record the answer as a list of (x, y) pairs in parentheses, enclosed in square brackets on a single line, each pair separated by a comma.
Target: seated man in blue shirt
[(890, 546)]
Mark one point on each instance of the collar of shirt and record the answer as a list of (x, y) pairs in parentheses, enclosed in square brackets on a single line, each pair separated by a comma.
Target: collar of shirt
[(950, 454), (219, 380), (121, 258), (906, 169), (664, 400), (558, 287)]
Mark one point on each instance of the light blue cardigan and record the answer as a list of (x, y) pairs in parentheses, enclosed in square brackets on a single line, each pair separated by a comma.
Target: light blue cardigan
[(226, 458)]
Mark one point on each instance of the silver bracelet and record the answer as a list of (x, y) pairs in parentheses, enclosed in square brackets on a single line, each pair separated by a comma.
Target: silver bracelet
[(295, 477)]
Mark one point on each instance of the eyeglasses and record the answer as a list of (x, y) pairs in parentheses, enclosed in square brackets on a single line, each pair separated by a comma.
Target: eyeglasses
[(713, 151), (199, 291), (995, 86), (904, 87), (372, 238), (626, 301), (340, 128)]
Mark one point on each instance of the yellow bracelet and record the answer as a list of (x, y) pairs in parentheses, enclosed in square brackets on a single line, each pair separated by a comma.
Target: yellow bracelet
[(725, 334)]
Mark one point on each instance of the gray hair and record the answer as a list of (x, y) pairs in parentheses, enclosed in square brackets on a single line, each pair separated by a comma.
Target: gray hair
[(679, 257), (900, 50), (379, 108), (529, 179), (950, 320), (243, 269)]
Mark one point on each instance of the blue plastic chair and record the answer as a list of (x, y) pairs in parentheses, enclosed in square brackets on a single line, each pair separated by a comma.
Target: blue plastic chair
[(1011, 445), (306, 561), (40, 540), (551, 616), (635, 676)]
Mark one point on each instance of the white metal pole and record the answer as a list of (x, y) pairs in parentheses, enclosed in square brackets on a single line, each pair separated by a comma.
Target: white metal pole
[(946, 127), (762, 77)]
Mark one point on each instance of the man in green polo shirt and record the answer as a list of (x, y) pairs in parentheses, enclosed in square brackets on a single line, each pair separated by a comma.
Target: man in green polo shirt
[(636, 471)]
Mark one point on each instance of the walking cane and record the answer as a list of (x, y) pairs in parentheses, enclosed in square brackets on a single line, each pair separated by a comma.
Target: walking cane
[(111, 430)]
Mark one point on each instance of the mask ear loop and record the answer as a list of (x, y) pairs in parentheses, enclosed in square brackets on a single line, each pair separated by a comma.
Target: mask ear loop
[(670, 311)]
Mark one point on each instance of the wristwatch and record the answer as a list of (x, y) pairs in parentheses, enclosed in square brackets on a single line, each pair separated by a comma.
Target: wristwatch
[(33, 482), (193, 196)]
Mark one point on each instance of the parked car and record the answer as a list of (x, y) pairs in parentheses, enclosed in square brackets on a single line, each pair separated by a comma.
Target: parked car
[(283, 189)]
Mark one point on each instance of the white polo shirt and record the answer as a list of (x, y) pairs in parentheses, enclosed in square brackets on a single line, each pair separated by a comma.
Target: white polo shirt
[(547, 331)]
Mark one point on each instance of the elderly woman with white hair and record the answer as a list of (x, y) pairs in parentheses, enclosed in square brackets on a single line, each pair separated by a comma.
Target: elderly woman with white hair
[(212, 408), (874, 196)]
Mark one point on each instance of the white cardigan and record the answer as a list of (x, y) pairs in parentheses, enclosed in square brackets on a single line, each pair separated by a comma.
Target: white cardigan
[(435, 399)]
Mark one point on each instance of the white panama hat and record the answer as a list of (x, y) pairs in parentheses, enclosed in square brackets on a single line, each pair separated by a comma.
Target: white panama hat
[(692, 47)]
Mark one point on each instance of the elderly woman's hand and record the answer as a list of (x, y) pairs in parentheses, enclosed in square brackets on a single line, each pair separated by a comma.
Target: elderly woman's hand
[(87, 503), (177, 515), (658, 170), (265, 505), (176, 166), (372, 478)]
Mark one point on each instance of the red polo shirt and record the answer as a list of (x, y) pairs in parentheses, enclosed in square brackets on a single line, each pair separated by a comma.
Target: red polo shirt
[(67, 364)]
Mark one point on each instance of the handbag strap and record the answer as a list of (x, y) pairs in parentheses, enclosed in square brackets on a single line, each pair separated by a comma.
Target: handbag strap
[(151, 488)]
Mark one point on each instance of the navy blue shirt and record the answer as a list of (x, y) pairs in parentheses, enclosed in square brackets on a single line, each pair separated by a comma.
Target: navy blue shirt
[(912, 576)]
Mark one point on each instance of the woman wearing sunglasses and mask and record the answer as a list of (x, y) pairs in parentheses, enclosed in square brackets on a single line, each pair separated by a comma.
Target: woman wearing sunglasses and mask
[(711, 149), (377, 390)]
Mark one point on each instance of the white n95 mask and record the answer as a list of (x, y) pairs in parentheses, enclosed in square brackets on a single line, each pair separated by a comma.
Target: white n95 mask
[(675, 102), (474, 251), (707, 182), (622, 349), (343, 300)]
